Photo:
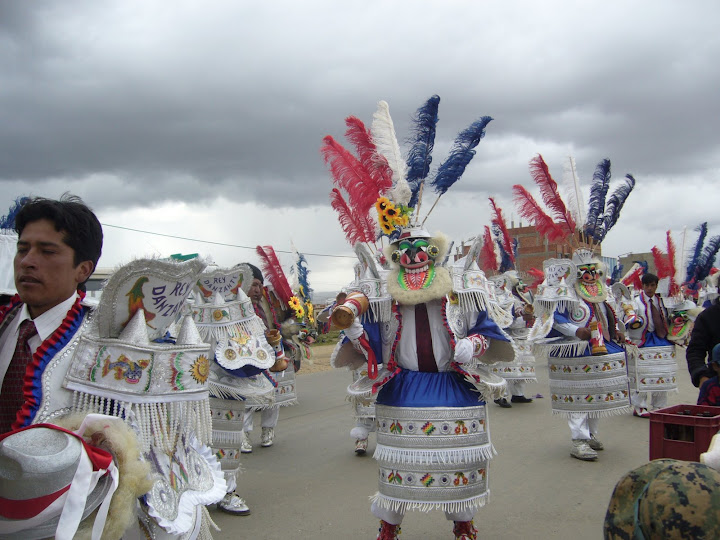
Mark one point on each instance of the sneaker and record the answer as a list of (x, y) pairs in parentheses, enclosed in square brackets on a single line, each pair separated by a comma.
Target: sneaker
[(641, 413), (361, 446), (594, 443), (503, 403), (581, 450), (521, 399), (245, 446), (267, 437), (232, 504)]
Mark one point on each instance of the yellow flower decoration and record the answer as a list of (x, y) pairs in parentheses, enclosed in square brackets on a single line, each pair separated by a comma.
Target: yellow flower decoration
[(310, 309), (200, 369), (296, 305)]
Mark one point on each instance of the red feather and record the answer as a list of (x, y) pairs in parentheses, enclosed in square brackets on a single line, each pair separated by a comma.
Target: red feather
[(538, 277), (528, 208), (376, 164), (488, 260), (634, 278), (550, 194), (350, 174), (274, 272), (661, 265), (499, 220), (356, 226)]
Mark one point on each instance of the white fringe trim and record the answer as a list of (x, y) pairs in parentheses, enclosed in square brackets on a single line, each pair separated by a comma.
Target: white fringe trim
[(445, 455), (227, 392), (400, 506), (561, 350)]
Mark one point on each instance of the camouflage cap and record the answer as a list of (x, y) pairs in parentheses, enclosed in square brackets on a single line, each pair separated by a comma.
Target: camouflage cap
[(665, 498)]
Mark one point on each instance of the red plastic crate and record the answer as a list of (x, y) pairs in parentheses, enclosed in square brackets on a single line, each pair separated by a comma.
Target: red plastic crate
[(682, 436)]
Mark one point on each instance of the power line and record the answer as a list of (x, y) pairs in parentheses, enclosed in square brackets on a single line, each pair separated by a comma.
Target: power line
[(222, 243)]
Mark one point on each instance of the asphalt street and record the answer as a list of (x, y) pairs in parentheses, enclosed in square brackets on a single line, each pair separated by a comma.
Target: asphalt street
[(311, 484)]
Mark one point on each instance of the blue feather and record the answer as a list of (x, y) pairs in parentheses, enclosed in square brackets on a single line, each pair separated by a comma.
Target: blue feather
[(614, 204), (8, 221), (697, 251), (515, 245), (707, 259), (303, 272), (420, 155), (505, 261), (644, 265), (616, 274), (460, 155), (596, 204)]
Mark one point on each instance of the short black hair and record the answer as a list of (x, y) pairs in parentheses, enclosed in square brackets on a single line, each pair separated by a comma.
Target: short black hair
[(71, 216), (648, 279), (257, 274)]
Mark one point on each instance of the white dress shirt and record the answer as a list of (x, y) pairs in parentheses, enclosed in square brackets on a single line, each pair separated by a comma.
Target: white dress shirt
[(46, 324)]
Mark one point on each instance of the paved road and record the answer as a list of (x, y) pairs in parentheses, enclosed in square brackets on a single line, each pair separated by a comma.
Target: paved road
[(311, 485)]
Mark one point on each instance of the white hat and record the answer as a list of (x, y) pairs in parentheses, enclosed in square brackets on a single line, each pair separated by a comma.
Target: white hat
[(51, 480)]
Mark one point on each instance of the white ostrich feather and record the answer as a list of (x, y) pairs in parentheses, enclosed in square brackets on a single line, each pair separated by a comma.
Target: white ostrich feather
[(573, 192), (383, 133)]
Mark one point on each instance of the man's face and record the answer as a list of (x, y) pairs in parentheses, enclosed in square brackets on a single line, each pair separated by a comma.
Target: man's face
[(650, 289), (256, 291), (45, 270)]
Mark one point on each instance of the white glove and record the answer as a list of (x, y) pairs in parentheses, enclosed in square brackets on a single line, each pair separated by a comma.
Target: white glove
[(463, 351), (354, 331)]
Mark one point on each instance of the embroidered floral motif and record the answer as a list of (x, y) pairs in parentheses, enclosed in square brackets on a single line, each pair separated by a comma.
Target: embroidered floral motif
[(200, 370), (428, 428)]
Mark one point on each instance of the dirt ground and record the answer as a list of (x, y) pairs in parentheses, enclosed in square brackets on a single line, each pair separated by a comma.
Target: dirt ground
[(321, 359)]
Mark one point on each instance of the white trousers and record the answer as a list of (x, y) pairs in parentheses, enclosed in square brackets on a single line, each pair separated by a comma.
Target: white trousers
[(395, 518), (516, 388), (582, 426), (648, 400), (268, 417)]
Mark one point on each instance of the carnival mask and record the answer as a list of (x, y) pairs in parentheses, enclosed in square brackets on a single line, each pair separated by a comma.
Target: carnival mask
[(523, 292), (680, 326), (416, 257), (590, 285)]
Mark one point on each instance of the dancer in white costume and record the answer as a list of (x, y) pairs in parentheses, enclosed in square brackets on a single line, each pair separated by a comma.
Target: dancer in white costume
[(433, 440), (588, 366), (226, 319), (369, 281), (498, 254), (114, 360), (652, 367)]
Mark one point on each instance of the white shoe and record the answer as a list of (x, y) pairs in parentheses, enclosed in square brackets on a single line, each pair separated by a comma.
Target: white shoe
[(232, 504), (245, 446), (595, 444), (361, 446), (267, 437), (581, 450)]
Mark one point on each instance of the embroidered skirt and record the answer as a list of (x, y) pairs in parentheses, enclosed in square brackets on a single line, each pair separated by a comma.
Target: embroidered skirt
[(653, 369), (433, 443), (593, 385)]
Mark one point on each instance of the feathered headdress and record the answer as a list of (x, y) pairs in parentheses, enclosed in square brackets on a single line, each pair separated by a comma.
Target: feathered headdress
[(7, 222), (695, 257), (299, 273), (380, 175), (563, 224), (272, 270), (498, 242), (665, 263)]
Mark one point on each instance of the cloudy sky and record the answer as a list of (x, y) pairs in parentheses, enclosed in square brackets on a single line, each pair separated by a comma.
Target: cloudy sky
[(204, 120)]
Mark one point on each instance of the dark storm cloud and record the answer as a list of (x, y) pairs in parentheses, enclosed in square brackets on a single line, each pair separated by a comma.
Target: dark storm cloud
[(132, 103)]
